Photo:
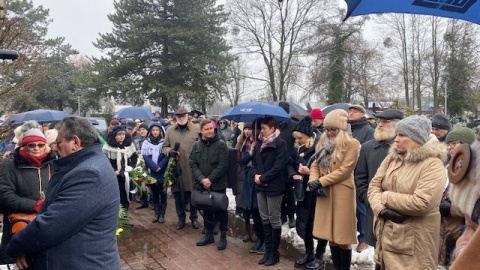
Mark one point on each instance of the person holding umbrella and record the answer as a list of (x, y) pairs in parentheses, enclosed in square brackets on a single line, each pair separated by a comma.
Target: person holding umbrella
[(183, 133)]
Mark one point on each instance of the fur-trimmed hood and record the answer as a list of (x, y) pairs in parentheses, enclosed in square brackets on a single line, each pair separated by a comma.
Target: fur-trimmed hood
[(432, 148)]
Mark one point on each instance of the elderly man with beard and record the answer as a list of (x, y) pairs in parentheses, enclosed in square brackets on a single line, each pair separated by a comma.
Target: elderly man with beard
[(372, 154), (184, 133)]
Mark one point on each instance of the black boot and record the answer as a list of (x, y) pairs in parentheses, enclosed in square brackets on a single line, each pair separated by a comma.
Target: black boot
[(336, 260), (248, 231), (291, 221), (317, 263), (161, 218), (222, 244), (257, 245), (345, 259), (267, 232), (275, 254), (261, 249), (309, 257), (207, 238), (157, 213)]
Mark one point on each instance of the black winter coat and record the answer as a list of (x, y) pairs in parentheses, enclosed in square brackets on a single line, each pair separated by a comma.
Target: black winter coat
[(361, 130), (270, 163), (209, 159), (20, 186), (286, 130), (372, 153), (305, 207)]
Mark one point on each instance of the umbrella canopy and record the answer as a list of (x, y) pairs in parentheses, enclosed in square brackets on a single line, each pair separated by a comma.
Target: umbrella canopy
[(134, 113), (329, 108), (295, 110), (467, 10), (249, 111), (41, 116)]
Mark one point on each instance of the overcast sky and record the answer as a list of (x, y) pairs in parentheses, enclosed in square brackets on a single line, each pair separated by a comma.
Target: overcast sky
[(79, 21)]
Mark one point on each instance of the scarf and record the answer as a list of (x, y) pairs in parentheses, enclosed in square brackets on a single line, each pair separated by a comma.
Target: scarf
[(325, 152), (269, 139), (247, 144), (149, 148), (116, 153), (37, 161)]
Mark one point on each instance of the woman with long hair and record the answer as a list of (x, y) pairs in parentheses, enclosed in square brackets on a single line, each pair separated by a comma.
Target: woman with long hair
[(331, 176), (268, 169)]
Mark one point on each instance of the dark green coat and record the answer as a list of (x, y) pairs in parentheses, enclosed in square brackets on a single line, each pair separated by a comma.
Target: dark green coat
[(209, 159)]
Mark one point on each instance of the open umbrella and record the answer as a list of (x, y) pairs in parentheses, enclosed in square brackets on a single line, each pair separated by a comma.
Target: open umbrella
[(295, 110), (329, 108), (249, 111), (41, 116), (467, 10), (134, 113)]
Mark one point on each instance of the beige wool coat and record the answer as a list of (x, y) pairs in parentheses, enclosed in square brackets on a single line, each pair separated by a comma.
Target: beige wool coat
[(411, 184), (186, 138), (335, 218)]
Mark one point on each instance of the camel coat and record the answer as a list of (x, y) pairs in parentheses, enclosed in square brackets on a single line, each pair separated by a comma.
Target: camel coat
[(335, 218), (411, 184)]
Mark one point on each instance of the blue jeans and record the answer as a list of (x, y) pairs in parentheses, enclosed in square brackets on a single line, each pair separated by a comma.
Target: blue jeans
[(361, 215), (180, 206)]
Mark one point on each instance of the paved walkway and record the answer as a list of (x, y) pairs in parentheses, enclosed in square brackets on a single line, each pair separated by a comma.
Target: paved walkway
[(161, 246)]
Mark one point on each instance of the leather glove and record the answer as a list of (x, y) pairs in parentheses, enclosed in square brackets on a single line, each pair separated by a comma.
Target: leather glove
[(445, 206), (314, 185), (392, 215), (38, 205), (172, 153)]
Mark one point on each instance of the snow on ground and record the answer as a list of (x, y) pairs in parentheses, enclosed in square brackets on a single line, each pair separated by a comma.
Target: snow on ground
[(363, 260)]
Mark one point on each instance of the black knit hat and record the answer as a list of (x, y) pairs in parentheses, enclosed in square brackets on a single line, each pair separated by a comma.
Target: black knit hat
[(247, 125), (440, 121), (305, 126)]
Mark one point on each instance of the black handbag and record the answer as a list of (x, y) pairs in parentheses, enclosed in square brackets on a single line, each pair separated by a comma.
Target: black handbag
[(209, 200)]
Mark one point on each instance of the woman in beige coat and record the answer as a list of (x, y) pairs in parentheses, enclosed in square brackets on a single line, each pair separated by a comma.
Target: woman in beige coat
[(405, 195), (336, 158)]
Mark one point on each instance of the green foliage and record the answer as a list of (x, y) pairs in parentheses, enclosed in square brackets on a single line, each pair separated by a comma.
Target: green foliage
[(164, 51)]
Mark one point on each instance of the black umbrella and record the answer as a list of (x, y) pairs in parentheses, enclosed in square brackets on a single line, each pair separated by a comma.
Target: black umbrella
[(296, 110)]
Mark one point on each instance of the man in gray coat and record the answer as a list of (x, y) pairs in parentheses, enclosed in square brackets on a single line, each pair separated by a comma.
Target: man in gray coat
[(76, 226), (183, 133), (372, 153)]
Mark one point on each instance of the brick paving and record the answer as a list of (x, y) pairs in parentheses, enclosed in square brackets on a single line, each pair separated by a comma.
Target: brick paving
[(161, 246)]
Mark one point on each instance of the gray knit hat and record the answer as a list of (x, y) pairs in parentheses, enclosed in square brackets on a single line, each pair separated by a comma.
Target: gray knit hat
[(416, 127)]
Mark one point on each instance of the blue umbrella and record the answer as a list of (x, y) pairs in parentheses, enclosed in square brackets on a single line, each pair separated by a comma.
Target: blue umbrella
[(249, 111), (41, 116), (468, 10), (134, 113)]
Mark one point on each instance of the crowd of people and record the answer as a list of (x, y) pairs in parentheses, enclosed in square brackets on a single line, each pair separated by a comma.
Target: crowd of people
[(339, 180)]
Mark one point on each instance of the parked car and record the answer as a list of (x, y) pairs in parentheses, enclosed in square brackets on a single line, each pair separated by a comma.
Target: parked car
[(102, 124)]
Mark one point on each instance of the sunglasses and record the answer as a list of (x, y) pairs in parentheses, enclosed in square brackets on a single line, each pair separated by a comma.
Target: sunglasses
[(33, 145), (331, 130)]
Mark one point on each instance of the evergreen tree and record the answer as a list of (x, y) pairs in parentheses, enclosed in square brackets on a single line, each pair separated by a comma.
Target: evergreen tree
[(167, 51)]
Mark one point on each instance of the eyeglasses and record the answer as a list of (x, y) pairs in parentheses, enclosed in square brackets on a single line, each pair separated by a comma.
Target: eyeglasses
[(384, 121), (452, 144), (332, 130), (33, 145), (222, 123)]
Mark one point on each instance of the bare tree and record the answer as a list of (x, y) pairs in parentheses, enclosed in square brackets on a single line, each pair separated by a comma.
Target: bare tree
[(236, 88), (277, 31)]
